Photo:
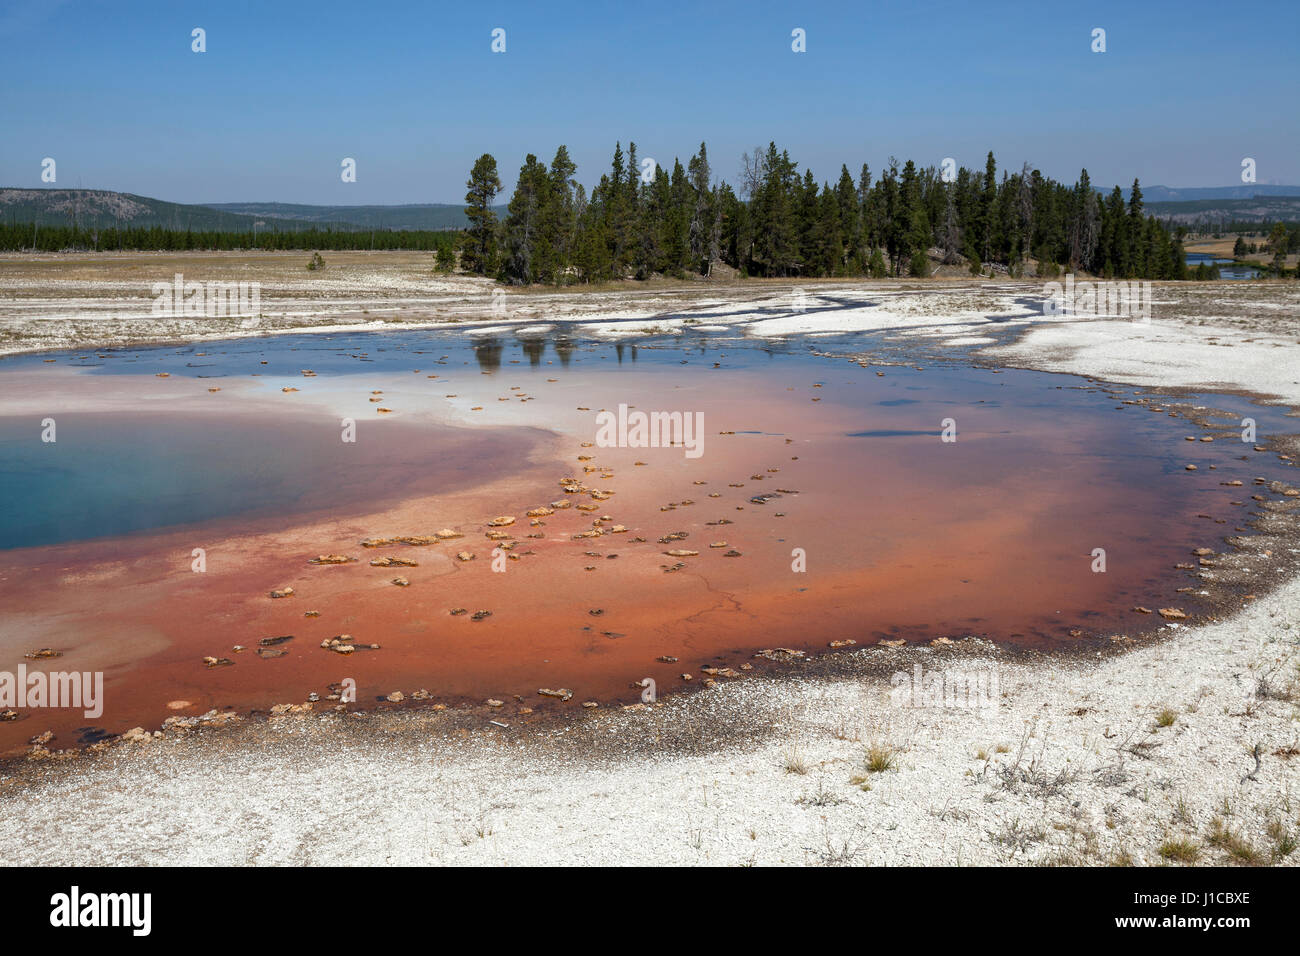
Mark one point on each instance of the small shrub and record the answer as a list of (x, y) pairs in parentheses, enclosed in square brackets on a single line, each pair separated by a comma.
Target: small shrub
[(1180, 850), (880, 757)]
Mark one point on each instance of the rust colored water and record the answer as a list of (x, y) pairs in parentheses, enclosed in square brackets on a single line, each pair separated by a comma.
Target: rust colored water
[(876, 527)]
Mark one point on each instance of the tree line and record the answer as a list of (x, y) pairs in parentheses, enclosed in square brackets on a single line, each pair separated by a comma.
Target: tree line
[(17, 237), (643, 219)]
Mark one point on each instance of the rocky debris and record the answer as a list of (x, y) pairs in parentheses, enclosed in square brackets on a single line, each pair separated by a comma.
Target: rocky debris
[(669, 569), (8, 715), (457, 611), (390, 562), (43, 654), (718, 544), (464, 556), (674, 536), (1171, 614), (273, 641), (378, 542), (897, 643), (720, 671), (848, 642), (681, 553), (497, 536), (342, 644), (1190, 467), (446, 534), (781, 654), (212, 718), (562, 693), (418, 540), (40, 740), (282, 593), (493, 702), (946, 642), (1142, 610), (733, 553), (480, 615), (540, 512), (401, 582), (267, 653), (331, 559), (279, 710), (179, 704), (502, 521), (590, 704), (666, 659), (396, 697), (311, 613)]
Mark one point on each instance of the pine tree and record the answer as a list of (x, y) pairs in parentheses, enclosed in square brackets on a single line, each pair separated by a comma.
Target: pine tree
[(848, 261), (704, 222), (527, 256), (988, 199), (480, 254)]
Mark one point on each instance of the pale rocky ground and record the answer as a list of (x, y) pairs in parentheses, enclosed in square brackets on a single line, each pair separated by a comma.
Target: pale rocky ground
[(1070, 764)]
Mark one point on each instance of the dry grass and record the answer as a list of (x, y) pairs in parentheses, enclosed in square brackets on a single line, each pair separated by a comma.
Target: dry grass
[(1180, 850), (880, 757)]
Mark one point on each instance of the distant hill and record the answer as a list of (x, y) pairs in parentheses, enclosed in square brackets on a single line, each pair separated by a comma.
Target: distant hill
[(105, 208), (414, 216), (1275, 208), (1153, 194)]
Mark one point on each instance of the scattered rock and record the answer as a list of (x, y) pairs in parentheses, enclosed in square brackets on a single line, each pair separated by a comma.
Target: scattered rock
[(393, 563)]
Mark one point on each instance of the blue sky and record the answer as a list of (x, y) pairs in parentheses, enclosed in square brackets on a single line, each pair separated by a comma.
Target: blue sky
[(413, 92)]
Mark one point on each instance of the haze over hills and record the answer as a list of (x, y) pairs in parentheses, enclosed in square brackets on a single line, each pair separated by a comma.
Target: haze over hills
[(1154, 194), (91, 208), (412, 216), (105, 209)]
